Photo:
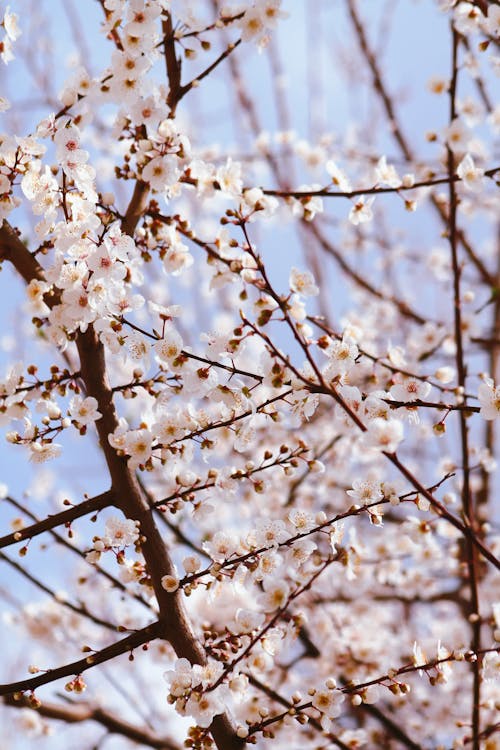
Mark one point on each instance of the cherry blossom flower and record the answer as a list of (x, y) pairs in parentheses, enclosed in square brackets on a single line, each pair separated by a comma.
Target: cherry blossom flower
[(410, 389), (121, 532), (221, 546), (383, 434), (246, 621), (162, 173), (229, 178), (386, 174), (328, 702), (41, 452), (168, 348), (276, 594), (203, 707), (361, 211), (180, 679), (366, 491), (11, 25), (471, 176), (489, 398), (84, 410), (302, 282), (338, 177), (170, 583), (137, 444)]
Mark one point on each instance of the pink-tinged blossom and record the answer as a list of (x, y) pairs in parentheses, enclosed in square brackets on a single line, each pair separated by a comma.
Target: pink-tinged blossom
[(386, 174), (383, 434), (41, 452), (467, 17), (276, 594), (221, 546), (120, 532), (180, 679), (203, 707), (352, 397), (137, 445), (169, 428), (256, 204), (11, 24), (472, 177), (328, 702), (302, 282), (489, 398), (229, 178), (339, 178), (492, 23), (361, 211), (170, 583), (410, 389), (259, 20), (301, 520), (84, 410), (366, 491), (161, 173), (168, 348), (270, 533), (246, 621)]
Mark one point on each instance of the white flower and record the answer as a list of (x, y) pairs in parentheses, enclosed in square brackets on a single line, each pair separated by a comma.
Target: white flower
[(138, 445), (361, 212), (204, 706), (120, 532), (328, 702), (191, 564), (342, 358), (221, 546), (84, 410), (276, 594), (489, 398), (180, 679), (492, 23), (255, 199), (410, 389), (471, 176), (383, 434), (366, 491), (386, 174), (491, 667), (229, 177), (246, 621), (271, 533), (302, 520), (467, 18), (456, 135), (161, 172), (437, 84), (41, 452), (170, 583), (251, 25), (302, 282), (10, 24), (169, 347), (338, 177)]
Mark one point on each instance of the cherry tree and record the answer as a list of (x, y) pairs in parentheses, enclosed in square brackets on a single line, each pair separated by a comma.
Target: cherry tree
[(252, 386)]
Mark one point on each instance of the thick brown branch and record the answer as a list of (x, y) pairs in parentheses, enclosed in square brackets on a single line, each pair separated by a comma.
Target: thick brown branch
[(59, 519), (13, 249)]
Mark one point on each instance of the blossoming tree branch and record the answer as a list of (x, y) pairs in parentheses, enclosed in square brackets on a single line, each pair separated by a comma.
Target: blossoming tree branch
[(254, 384)]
